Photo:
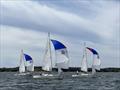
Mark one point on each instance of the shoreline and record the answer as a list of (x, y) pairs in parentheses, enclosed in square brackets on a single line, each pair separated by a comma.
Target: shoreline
[(71, 69)]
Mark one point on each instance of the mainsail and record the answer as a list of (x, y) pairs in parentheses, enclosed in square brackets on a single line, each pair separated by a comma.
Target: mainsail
[(84, 64), (25, 61), (84, 67), (22, 66), (61, 53), (47, 61)]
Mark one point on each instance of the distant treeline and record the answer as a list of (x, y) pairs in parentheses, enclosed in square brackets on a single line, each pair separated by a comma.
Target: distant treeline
[(71, 69)]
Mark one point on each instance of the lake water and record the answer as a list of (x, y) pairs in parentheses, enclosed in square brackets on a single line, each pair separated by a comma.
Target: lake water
[(101, 81)]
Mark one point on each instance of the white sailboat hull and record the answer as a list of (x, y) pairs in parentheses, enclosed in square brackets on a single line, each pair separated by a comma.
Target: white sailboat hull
[(81, 74), (84, 74), (43, 75), (75, 75)]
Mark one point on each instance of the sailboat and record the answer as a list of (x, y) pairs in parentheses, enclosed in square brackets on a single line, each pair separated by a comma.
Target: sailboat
[(47, 61), (95, 65), (84, 66), (96, 60), (61, 55), (26, 64)]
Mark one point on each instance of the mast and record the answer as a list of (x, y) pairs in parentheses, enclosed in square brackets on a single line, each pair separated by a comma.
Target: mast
[(21, 56), (85, 52), (50, 49), (21, 68), (86, 55), (84, 60)]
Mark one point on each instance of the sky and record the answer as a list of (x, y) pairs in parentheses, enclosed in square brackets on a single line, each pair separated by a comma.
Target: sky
[(24, 24)]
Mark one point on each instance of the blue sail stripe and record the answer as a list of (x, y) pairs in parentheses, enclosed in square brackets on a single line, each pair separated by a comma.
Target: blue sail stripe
[(27, 57), (92, 50), (58, 45)]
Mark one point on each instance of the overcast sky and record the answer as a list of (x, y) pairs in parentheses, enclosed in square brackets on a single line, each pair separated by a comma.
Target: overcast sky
[(24, 25)]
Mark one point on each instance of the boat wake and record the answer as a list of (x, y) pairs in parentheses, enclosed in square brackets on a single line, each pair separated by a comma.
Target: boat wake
[(21, 74)]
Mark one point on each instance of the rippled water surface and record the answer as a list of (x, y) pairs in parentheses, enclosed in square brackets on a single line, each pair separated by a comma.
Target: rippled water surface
[(101, 81)]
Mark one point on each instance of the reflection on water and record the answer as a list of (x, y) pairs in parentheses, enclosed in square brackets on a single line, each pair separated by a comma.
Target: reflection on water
[(101, 81)]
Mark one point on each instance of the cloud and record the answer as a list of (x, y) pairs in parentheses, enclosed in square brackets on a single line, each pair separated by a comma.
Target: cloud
[(25, 23), (43, 18), (14, 39)]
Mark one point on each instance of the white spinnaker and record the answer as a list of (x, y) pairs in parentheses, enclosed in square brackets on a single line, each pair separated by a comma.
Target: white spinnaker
[(30, 68), (93, 69), (96, 62), (47, 59), (84, 64), (22, 65), (30, 65), (21, 68), (62, 60)]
